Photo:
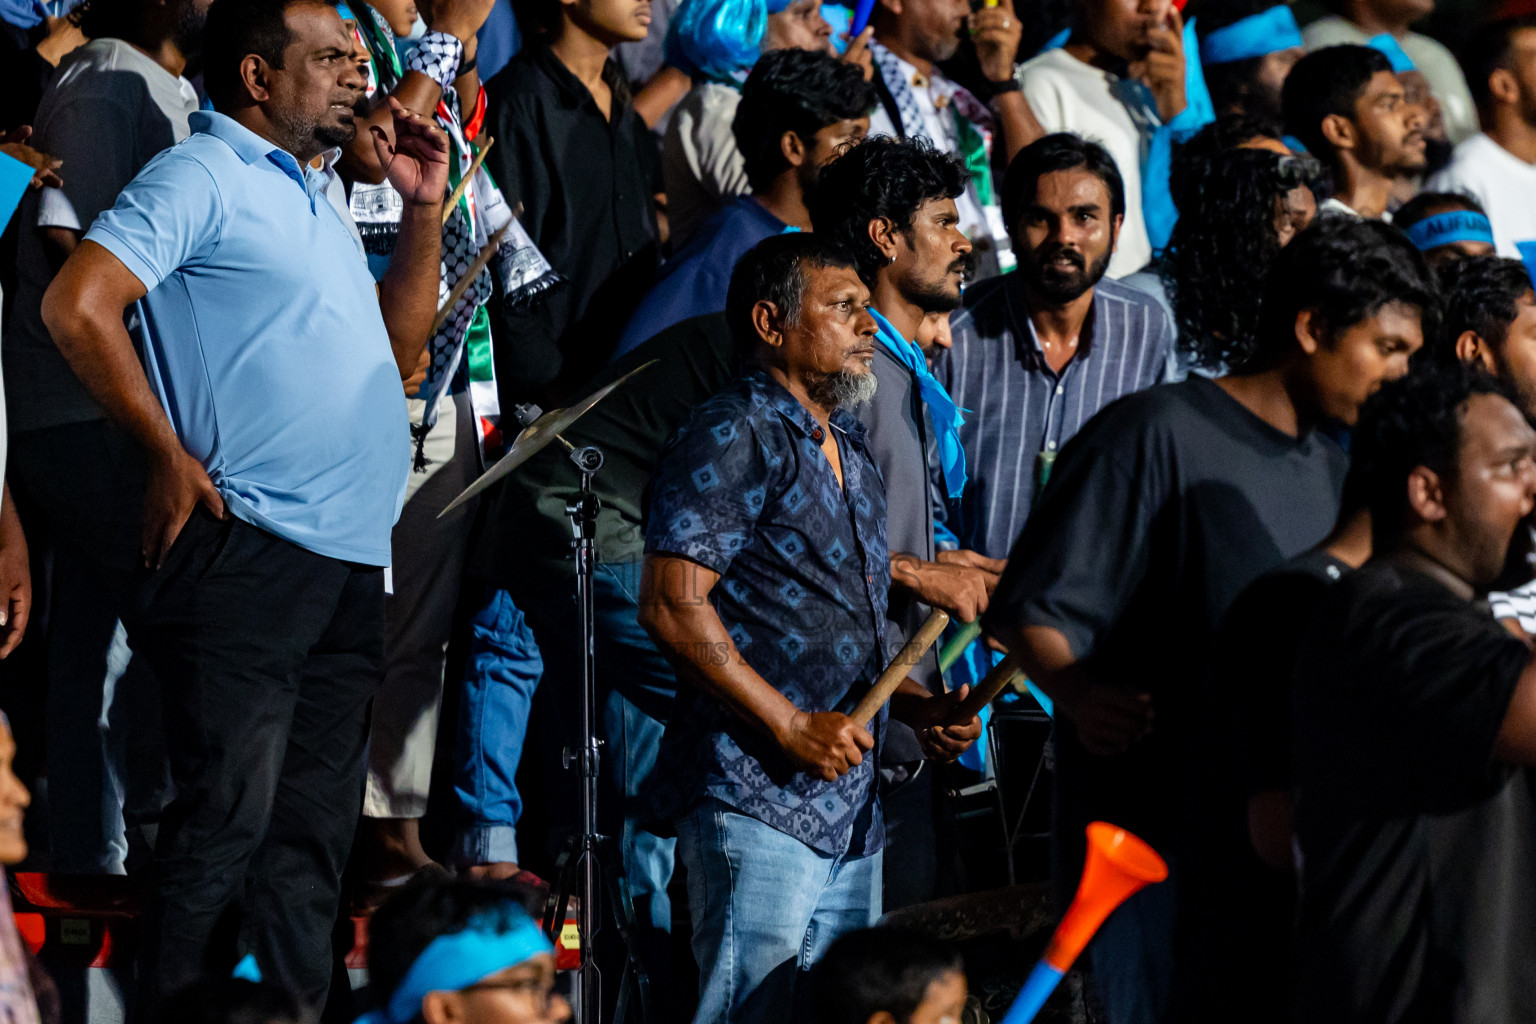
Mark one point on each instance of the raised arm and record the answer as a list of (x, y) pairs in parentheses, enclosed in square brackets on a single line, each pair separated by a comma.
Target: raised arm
[(675, 610), (417, 165), (83, 310)]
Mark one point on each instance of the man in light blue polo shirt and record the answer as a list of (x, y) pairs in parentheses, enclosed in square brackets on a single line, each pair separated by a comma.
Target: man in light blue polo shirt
[(274, 426)]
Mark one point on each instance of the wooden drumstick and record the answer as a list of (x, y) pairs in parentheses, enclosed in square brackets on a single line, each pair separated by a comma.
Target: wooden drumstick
[(468, 279), (986, 691), (896, 672), (458, 190)]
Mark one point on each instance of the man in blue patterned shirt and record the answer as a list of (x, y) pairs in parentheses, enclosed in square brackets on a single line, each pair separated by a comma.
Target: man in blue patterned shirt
[(765, 581)]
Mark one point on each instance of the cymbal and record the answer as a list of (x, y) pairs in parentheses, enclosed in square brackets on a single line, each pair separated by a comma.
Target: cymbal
[(537, 434)]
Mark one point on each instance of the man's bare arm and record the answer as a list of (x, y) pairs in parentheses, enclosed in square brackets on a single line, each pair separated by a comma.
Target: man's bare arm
[(676, 612), (83, 310), (1109, 719)]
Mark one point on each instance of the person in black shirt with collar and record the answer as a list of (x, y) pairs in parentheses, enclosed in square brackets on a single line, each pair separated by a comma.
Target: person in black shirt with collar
[(1157, 514), (577, 160), (1413, 710)]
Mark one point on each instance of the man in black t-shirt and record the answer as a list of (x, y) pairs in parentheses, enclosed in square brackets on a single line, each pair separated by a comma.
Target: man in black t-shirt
[(1165, 506), (1239, 891), (1412, 709)]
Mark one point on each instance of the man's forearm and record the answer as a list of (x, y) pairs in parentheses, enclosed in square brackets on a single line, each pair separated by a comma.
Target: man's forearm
[(694, 640), (94, 342), (1017, 120), (408, 293), (1046, 657), (416, 93)]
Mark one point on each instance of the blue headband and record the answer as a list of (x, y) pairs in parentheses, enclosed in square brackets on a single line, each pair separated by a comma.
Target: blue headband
[(1387, 45), (491, 943), (1258, 35), (1528, 257), (1446, 228)]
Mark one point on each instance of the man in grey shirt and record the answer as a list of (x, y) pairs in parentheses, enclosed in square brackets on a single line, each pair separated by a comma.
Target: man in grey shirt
[(113, 104), (891, 203), (1037, 353)]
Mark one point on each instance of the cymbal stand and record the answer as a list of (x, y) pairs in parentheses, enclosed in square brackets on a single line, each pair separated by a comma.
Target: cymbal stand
[(584, 871)]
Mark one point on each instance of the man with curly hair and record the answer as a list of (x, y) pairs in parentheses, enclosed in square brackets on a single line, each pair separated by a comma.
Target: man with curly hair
[(1158, 513), (892, 204)]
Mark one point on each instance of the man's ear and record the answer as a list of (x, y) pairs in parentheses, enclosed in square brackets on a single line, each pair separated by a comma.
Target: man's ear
[(768, 324), (1472, 349), (1503, 86), (1426, 495), (792, 148), (442, 1008), (882, 231), (1114, 233), (1339, 132), (254, 72), (1310, 331)]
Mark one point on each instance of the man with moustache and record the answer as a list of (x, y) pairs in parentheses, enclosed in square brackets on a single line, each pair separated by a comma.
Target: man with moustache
[(1348, 108), (275, 435), (1414, 718), (765, 583), (1037, 353), (892, 204), (916, 100), (112, 106)]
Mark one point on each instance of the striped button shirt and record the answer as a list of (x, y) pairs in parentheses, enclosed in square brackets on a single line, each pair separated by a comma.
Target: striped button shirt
[(1019, 413)]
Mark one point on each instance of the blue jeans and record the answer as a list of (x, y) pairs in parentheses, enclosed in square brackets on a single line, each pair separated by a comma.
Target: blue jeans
[(765, 908), (500, 675), (636, 690)]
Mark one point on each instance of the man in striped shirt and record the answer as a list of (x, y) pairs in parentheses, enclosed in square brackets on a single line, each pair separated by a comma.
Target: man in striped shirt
[(1038, 352)]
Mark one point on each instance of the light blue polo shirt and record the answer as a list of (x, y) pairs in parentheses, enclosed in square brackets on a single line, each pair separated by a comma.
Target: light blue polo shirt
[(263, 338)]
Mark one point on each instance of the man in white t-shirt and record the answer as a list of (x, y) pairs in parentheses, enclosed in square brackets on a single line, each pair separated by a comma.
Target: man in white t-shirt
[(1118, 78), (1348, 108), (1498, 166), (111, 106), (915, 99), (1356, 21)]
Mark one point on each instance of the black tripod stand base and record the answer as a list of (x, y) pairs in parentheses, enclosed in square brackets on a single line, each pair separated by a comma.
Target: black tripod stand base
[(620, 908)]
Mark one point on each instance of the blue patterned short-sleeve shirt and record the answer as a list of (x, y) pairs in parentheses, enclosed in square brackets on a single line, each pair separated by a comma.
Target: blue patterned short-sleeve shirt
[(745, 490)]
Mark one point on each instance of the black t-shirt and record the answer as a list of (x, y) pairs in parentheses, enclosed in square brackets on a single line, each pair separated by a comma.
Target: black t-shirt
[(1418, 851), (1237, 912), (1158, 513)]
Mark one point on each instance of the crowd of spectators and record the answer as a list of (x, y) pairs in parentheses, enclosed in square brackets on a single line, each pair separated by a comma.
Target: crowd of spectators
[(1184, 357)]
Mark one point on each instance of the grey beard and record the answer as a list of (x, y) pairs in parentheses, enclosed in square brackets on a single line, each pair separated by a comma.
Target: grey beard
[(842, 389)]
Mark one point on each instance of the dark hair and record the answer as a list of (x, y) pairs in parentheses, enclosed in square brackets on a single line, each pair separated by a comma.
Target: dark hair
[(1222, 248), (226, 1000), (1232, 84), (234, 31), (881, 177), (1062, 151), (428, 906), (1427, 204), (1230, 131), (1486, 51), (1324, 82), (1412, 422), (774, 270), (1482, 295), (109, 19), (793, 90), (540, 19), (876, 969), (1344, 268)]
